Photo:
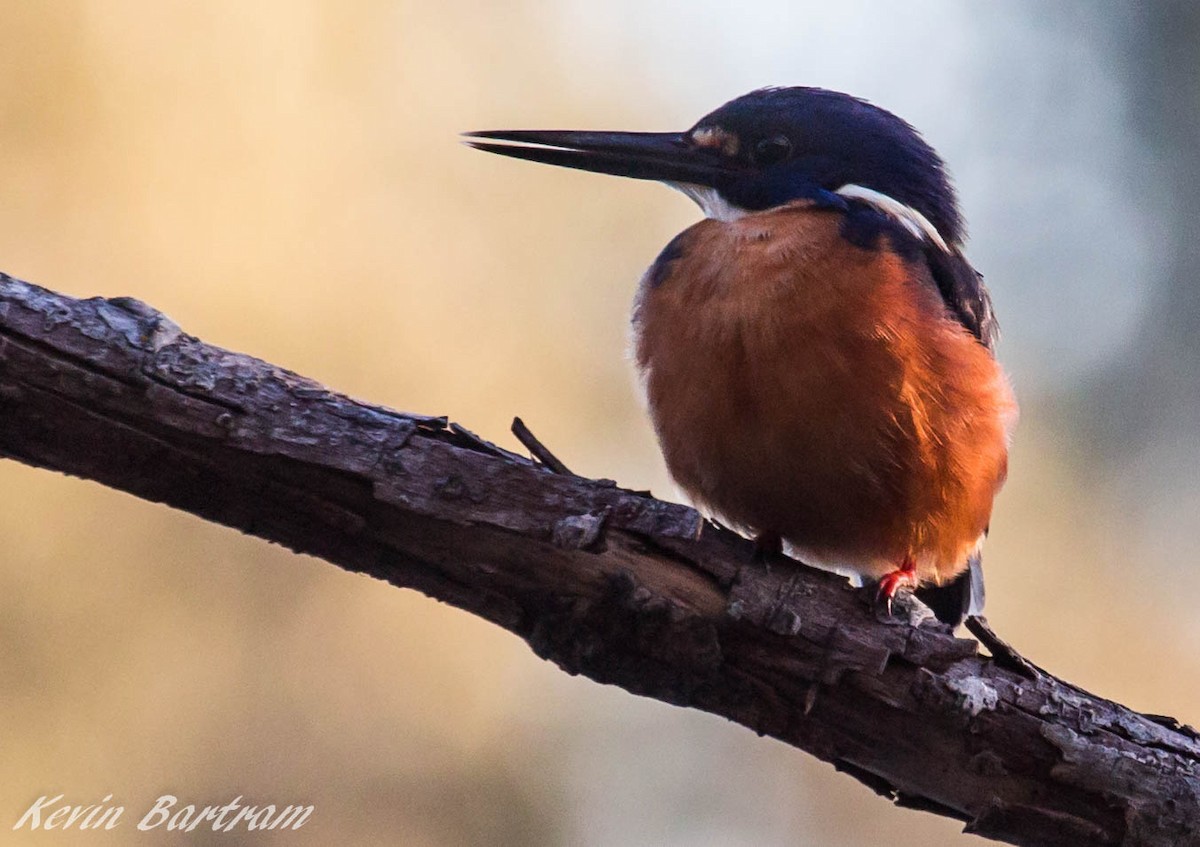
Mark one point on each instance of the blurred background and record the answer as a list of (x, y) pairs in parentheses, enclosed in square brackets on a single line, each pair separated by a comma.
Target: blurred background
[(283, 178)]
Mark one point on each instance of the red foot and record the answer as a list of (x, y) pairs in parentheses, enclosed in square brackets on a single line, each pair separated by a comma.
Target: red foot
[(905, 575)]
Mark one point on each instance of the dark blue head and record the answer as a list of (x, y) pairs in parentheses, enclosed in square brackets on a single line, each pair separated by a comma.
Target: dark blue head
[(763, 150), (790, 142)]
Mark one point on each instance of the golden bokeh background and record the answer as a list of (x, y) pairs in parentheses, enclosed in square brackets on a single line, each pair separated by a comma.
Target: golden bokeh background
[(284, 179)]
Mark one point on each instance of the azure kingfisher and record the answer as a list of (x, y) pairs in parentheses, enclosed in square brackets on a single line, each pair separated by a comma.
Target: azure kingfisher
[(817, 354)]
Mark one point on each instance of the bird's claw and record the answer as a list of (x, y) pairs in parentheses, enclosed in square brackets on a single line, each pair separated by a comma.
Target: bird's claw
[(904, 576)]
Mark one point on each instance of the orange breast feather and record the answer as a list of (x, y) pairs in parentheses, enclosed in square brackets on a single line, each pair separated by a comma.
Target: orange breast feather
[(804, 386)]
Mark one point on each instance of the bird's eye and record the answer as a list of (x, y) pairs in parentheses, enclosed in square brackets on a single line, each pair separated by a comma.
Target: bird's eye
[(772, 150)]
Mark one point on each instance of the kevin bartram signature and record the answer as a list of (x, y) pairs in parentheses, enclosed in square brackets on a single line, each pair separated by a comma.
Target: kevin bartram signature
[(166, 814)]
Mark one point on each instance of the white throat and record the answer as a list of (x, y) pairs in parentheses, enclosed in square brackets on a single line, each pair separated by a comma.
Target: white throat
[(718, 208), (710, 201)]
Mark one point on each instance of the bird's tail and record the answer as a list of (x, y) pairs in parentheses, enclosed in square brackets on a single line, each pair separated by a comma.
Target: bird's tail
[(958, 598)]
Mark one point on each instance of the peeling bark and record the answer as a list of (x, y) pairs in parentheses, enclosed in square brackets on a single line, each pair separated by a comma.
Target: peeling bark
[(604, 582)]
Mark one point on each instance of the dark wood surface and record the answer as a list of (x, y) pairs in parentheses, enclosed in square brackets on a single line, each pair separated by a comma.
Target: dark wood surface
[(604, 582)]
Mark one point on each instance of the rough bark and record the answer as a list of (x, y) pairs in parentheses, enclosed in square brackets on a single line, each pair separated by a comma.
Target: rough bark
[(607, 583)]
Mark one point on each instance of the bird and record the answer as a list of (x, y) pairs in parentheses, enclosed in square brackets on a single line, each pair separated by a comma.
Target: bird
[(817, 355)]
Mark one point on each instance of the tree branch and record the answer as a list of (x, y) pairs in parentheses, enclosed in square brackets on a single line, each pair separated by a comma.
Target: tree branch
[(604, 582)]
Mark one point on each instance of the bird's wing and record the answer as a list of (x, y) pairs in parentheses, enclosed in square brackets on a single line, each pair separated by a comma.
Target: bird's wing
[(963, 292), (869, 215), (967, 298)]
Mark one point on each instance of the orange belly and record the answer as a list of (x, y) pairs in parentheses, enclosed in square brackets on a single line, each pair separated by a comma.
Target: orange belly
[(804, 386)]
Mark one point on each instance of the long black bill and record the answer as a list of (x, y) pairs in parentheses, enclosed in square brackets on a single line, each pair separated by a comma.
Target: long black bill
[(662, 156)]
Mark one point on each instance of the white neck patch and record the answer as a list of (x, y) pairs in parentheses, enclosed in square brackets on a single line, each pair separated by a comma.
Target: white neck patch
[(906, 216), (710, 201), (718, 208)]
